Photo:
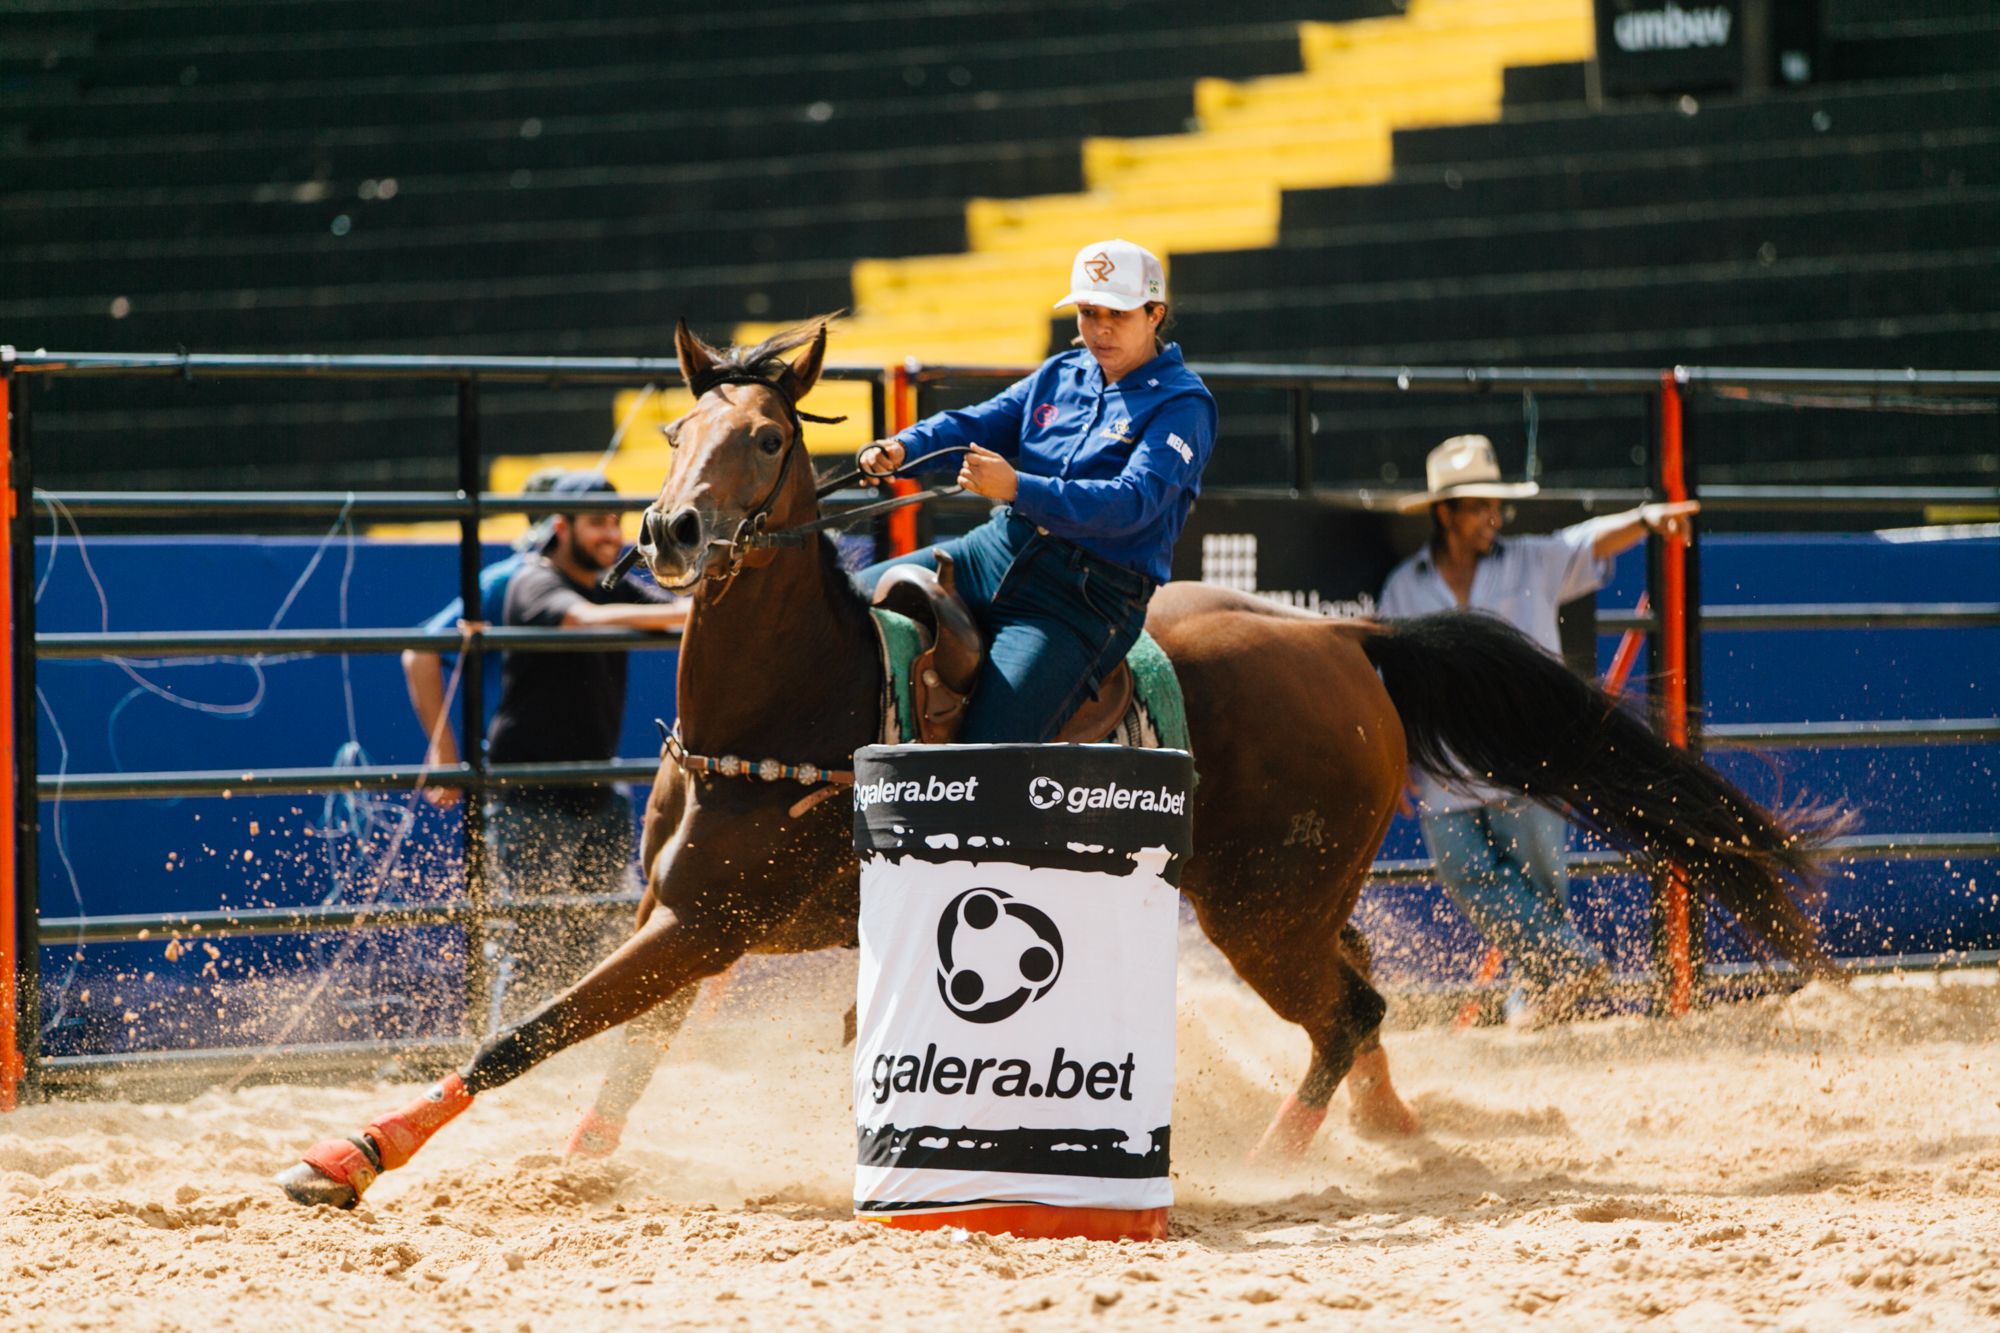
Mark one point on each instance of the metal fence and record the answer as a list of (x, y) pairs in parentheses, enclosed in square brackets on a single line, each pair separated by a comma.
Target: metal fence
[(1674, 637)]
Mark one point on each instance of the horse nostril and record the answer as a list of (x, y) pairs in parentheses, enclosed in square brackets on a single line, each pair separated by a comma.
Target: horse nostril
[(685, 529)]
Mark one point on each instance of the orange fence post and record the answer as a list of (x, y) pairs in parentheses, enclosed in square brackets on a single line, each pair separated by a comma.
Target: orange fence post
[(902, 415), (1674, 687), (1627, 655), (10, 1054)]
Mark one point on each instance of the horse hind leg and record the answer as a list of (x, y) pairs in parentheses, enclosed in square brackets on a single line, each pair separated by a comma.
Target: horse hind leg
[(642, 1045), (1375, 1108), (1347, 1045)]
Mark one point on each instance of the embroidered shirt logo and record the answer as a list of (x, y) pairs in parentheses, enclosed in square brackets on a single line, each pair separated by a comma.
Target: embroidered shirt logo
[(1046, 414), (1099, 267), (1181, 447)]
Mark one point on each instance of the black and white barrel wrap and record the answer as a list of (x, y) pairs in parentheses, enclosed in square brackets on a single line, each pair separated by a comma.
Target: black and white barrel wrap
[(1019, 911)]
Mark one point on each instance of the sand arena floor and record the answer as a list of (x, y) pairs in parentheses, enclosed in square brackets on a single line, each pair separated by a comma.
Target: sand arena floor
[(1830, 1161)]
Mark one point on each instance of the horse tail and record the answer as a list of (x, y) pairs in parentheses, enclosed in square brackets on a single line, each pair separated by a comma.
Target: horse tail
[(1480, 700)]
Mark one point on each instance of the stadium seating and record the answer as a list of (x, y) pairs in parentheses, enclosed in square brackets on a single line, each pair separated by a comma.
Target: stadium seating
[(1847, 223), (1332, 180), (1217, 186), (527, 179)]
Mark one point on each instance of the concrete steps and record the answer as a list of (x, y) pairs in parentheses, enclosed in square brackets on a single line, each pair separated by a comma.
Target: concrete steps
[(1218, 187)]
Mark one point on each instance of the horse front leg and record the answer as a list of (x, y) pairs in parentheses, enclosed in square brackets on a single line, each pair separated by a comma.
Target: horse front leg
[(645, 1044), (666, 956)]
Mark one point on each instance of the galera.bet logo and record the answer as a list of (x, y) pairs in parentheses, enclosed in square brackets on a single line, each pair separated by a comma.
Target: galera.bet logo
[(1008, 954), (1047, 794)]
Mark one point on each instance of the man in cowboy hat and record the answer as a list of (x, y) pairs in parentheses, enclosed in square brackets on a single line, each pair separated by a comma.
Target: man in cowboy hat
[(1503, 859)]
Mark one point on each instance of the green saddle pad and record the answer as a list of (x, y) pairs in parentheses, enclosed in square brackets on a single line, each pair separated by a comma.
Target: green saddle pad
[(1156, 688)]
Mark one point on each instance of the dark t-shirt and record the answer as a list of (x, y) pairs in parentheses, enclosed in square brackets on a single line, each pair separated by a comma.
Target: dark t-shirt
[(558, 707)]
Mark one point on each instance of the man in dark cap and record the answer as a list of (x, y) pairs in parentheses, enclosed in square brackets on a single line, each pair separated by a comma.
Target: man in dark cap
[(426, 673), (565, 707)]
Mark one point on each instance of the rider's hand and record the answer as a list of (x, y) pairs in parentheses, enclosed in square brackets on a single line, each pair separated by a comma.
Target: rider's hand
[(878, 460), (986, 473), (1670, 520)]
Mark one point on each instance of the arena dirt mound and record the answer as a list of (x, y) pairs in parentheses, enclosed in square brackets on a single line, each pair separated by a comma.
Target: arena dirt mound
[(1629, 1210), (1441, 1113), (536, 1183)]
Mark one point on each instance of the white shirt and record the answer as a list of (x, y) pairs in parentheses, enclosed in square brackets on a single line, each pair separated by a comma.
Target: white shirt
[(1524, 581)]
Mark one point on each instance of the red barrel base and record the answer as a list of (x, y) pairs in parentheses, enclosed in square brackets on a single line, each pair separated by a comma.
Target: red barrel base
[(1036, 1221)]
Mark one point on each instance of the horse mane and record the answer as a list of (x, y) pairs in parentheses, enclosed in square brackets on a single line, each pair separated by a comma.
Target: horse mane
[(762, 360), (838, 580)]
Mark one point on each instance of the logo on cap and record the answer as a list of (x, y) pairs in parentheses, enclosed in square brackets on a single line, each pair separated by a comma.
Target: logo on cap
[(1099, 267)]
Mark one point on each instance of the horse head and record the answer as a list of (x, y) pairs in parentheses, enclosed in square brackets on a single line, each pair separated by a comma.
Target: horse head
[(735, 465)]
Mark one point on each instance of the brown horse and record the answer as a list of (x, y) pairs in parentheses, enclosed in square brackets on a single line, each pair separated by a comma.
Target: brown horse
[(1301, 729)]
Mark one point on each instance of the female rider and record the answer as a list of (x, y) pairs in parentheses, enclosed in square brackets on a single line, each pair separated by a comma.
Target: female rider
[(1096, 458)]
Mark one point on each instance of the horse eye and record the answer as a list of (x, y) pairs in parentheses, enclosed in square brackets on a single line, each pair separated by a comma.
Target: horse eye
[(771, 442)]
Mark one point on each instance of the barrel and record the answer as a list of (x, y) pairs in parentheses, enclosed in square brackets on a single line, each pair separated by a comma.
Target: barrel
[(1014, 1051)]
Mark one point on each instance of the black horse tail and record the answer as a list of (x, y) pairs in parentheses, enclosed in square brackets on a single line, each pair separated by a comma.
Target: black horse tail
[(1480, 700)]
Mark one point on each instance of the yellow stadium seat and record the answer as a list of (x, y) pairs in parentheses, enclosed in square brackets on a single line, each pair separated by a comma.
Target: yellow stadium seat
[(1218, 187)]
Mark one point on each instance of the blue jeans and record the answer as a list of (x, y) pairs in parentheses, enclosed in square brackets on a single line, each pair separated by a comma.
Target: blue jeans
[(1057, 620), (1507, 868)]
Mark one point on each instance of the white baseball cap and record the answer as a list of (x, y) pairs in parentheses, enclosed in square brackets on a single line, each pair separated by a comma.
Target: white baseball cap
[(1117, 274)]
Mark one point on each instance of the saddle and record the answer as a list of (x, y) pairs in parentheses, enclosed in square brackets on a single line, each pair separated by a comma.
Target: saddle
[(942, 673)]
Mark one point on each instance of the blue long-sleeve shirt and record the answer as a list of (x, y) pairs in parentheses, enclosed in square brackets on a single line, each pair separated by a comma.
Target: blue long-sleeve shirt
[(1111, 467)]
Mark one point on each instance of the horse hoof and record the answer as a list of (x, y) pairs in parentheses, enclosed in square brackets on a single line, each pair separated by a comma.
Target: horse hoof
[(1290, 1134), (308, 1185), (594, 1135), (336, 1172)]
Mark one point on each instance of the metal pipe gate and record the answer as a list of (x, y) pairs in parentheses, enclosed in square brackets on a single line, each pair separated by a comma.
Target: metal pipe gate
[(1674, 633)]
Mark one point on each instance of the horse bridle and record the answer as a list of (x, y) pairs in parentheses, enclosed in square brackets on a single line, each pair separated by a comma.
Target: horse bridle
[(751, 534)]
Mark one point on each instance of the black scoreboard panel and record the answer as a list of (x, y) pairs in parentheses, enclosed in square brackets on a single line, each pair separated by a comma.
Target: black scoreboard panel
[(1666, 47)]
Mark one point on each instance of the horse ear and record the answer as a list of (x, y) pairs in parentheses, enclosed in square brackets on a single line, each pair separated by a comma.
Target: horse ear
[(802, 374), (696, 359)]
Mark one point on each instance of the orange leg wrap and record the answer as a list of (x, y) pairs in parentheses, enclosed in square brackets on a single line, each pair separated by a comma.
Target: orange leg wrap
[(1291, 1131), (398, 1135), (594, 1135)]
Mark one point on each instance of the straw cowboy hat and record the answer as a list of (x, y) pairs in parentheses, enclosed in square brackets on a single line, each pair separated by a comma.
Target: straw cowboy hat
[(1463, 468)]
